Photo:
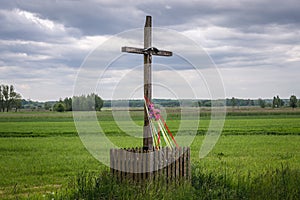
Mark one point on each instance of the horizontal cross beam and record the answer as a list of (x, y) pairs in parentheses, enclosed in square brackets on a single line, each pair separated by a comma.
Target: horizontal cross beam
[(152, 51)]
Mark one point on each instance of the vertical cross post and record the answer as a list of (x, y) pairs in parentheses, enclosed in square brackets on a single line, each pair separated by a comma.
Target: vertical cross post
[(147, 136), (148, 52)]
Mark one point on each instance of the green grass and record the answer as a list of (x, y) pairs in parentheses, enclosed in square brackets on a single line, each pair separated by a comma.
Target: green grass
[(31, 165), (41, 153), (61, 124), (41, 165)]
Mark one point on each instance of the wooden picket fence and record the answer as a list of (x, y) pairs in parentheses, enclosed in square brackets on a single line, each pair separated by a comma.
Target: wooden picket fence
[(137, 164)]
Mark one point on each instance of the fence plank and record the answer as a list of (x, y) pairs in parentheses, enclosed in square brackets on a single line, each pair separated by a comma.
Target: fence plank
[(184, 162), (155, 162), (176, 163), (138, 165), (180, 161), (131, 164), (125, 161), (169, 158), (144, 172), (111, 156), (188, 160)]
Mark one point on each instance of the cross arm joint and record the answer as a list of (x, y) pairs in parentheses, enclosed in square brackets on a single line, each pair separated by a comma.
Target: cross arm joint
[(147, 51)]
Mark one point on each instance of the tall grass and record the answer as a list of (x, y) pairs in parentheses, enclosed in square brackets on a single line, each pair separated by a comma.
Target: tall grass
[(105, 186), (272, 184)]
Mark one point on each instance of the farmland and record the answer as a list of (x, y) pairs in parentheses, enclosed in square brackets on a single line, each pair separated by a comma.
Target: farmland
[(41, 152)]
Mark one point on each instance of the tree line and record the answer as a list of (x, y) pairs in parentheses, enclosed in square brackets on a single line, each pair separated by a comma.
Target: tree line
[(9, 98), (277, 102), (90, 102)]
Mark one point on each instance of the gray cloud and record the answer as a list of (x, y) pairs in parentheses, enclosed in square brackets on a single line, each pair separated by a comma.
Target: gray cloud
[(108, 17), (55, 36), (90, 17)]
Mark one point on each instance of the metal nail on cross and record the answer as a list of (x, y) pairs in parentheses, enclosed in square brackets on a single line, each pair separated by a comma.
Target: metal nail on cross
[(148, 51)]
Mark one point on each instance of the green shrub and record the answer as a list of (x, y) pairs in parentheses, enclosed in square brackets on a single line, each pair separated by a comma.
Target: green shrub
[(59, 107)]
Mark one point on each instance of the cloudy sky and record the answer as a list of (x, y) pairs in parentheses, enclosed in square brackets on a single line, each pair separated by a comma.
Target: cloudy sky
[(254, 43)]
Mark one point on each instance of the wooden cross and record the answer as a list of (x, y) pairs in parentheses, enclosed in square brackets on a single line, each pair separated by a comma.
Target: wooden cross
[(148, 51)]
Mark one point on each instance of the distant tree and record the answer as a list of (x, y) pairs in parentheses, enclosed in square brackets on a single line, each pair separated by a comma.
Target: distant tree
[(248, 102), (261, 103), (293, 101), (5, 92), (17, 102), (68, 103), (9, 98), (47, 106), (98, 102), (14, 99), (281, 102), (233, 102), (199, 103), (84, 103), (59, 107), (1, 99), (277, 102), (206, 103)]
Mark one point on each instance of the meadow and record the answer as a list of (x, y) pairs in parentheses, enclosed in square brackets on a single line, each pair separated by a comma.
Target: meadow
[(41, 153)]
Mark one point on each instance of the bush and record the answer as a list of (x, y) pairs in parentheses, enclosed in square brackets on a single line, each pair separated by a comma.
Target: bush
[(59, 107)]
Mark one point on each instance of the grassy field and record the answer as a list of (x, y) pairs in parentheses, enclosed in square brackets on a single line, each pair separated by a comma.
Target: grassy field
[(41, 152)]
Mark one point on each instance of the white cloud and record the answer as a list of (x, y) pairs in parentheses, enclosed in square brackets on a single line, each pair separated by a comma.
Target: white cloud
[(33, 19), (24, 25)]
